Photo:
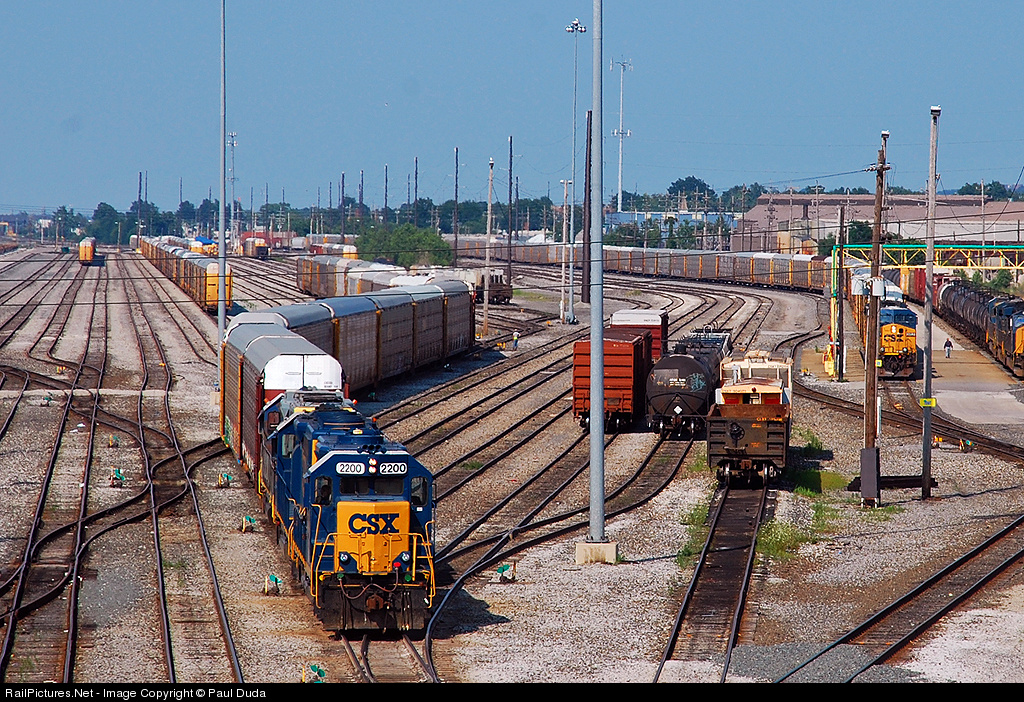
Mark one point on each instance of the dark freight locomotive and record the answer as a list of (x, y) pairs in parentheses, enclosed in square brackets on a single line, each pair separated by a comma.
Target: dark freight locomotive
[(681, 386)]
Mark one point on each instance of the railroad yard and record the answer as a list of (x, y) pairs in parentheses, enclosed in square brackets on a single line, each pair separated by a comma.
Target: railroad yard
[(150, 601)]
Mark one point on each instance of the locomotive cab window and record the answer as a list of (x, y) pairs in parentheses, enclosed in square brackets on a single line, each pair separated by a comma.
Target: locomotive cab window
[(287, 445), (363, 486), (420, 492), (322, 491), (273, 419)]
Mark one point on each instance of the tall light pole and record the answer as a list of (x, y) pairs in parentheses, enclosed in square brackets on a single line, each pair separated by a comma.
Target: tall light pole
[(620, 133), (575, 29), (487, 244), (927, 402), (596, 535), (231, 221), (565, 242), (221, 245)]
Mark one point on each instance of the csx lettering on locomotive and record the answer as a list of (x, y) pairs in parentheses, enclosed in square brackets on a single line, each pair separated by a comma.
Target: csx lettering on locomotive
[(374, 523)]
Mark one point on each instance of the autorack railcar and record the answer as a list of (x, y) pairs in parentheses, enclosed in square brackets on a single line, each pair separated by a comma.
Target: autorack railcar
[(197, 275), (790, 271)]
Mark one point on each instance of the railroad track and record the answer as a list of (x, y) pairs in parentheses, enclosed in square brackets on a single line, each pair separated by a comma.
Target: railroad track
[(654, 472), (900, 414), (895, 627), (393, 661), (72, 529), (39, 629), (709, 618)]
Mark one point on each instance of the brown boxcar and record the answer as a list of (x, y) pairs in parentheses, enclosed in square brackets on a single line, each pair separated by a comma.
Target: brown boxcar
[(627, 361)]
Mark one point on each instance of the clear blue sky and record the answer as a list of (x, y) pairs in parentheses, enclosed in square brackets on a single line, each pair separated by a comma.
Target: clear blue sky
[(733, 92)]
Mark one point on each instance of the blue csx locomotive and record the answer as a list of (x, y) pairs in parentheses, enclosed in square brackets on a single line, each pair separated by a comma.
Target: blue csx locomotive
[(356, 511)]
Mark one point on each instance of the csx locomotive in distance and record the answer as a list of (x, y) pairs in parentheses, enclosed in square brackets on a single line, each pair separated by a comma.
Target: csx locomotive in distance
[(681, 386), (355, 508), (897, 324)]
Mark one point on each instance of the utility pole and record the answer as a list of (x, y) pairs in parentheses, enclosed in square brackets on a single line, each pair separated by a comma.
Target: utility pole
[(563, 248), (455, 213), (222, 264), (623, 66), (840, 354), (341, 204), (508, 270), (138, 213), (385, 212), (487, 244), (870, 466), (231, 221), (586, 253), (574, 28), (928, 402)]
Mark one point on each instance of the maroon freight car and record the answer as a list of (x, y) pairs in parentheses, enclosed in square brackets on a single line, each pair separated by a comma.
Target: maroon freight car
[(627, 362)]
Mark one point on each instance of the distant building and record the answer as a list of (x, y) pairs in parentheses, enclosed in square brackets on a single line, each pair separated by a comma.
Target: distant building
[(784, 222)]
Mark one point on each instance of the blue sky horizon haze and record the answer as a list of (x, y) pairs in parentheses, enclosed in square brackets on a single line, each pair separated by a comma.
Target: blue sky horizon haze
[(786, 94)]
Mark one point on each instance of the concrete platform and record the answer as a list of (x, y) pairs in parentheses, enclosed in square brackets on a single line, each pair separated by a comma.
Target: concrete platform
[(969, 385)]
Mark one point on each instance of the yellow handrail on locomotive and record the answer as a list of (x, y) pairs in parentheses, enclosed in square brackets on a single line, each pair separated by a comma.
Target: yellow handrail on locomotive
[(417, 540)]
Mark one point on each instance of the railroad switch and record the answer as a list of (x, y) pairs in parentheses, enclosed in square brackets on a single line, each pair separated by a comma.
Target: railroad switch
[(248, 523), (507, 573), (224, 480), (113, 441), (313, 673), (117, 478), (272, 584)]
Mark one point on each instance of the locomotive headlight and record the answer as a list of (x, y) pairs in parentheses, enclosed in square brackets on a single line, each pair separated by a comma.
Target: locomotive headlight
[(373, 465)]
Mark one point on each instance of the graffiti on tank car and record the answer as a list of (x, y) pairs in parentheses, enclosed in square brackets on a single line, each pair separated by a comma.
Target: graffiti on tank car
[(373, 523)]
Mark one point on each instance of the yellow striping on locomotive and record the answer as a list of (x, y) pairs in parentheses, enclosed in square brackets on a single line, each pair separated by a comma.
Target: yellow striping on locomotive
[(373, 533)]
